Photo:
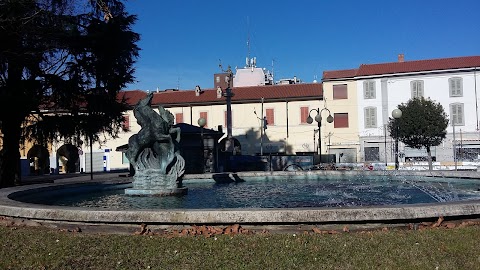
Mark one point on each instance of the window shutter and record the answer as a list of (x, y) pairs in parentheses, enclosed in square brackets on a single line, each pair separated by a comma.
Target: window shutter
[(417, 89), (270, 116), (179, 118), (340, 91), (455, 87), (365, 90), (452, 87), (126, 122), (460, 86), (460, 114), (225, 118), (204, 115), (340, 120), (371, 89), (303, 115), (457, 117), (370, 117)]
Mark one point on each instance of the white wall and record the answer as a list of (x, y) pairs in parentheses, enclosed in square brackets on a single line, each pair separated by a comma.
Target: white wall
[(436, 87)]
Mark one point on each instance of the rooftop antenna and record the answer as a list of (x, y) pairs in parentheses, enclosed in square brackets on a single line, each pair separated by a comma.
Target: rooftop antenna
[(178, 83), (248, 42), (220, 64), (273, 70)]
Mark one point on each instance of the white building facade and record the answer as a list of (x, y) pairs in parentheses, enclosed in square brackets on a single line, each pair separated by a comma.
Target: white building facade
[(452, 82)]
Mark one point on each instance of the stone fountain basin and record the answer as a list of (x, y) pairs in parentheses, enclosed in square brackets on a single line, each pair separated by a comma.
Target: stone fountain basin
[(260, 216)]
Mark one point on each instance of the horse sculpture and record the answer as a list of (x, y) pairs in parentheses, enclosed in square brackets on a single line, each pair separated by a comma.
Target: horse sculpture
[(154, 153)]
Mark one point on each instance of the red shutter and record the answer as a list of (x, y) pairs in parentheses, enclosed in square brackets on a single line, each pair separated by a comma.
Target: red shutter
[(126, 123), (179, 118), (270, 116), (303, 115), (340, 120), (340, 91), (225, 118), (204, 115)]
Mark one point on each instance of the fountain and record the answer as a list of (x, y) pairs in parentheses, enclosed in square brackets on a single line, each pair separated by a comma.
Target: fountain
[(316, 197), (154, 153)]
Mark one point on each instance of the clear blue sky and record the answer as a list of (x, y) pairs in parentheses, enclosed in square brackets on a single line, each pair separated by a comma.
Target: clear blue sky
[(183, 41)]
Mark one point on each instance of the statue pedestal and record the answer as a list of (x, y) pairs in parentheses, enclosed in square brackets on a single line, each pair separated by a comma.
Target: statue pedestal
[(153, 182)]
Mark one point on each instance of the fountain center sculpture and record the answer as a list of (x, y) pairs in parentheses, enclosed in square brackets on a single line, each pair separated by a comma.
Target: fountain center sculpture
[(154, 153)]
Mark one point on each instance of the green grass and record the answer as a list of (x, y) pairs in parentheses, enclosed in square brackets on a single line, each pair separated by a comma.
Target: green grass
[(42, 248)]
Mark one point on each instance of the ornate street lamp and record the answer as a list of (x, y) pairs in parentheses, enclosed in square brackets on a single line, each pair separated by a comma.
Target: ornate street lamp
[(397, 114), (202, 122), (318, 118)]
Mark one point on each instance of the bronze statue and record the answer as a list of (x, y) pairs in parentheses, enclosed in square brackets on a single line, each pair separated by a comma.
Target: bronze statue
[(153, 152)]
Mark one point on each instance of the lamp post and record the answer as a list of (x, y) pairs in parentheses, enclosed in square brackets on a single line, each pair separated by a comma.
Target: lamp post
[(396, 114), (202, 122), (228, 94), (318, 118)]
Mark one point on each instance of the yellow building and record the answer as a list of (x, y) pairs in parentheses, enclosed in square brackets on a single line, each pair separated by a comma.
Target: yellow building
[(340, 96)]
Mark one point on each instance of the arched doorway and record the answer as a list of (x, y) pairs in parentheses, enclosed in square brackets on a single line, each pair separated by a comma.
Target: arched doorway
[(236, 146), (39, 159), (68, 156)]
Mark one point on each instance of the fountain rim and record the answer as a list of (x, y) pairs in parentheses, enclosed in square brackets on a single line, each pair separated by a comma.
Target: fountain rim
[(369, 214)]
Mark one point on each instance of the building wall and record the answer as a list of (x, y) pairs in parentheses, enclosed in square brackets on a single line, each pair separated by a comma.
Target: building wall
[(286, 135), (345, 139), (392, 91)]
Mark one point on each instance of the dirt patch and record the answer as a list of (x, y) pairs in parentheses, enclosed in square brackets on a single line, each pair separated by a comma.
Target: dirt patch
[(232, 229)]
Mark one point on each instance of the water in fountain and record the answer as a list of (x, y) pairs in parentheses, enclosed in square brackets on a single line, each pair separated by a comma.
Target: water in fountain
[(277, 192)]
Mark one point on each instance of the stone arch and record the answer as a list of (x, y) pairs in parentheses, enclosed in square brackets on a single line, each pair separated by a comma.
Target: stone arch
[(39, 157), (69, 157)]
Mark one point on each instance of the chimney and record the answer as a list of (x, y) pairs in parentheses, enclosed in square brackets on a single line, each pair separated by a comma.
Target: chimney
[(401, 58)]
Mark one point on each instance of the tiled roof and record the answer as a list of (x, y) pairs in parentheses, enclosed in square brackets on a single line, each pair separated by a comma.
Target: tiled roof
[(419, 65), (131, 97), (337, 74), (404, 67), (241, 94)]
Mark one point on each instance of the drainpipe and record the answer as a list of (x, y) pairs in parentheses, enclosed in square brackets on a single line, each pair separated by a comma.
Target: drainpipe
[(476, 99), (261, 131), (191, 115), (286, 105)]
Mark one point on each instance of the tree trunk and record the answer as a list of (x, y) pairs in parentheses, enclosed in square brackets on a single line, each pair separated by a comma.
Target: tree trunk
[(10, 163), (429, 158)]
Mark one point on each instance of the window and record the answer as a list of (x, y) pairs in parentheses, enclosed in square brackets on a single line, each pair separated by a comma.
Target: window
[(370, 117), (340, 91), (417, 88), (456, 87), (126, 123), (225, 118), (340, 120), (270, 114), (369, 89), (303, 115), (372, 154), (204, 115), (178, 118), (456, 114)]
